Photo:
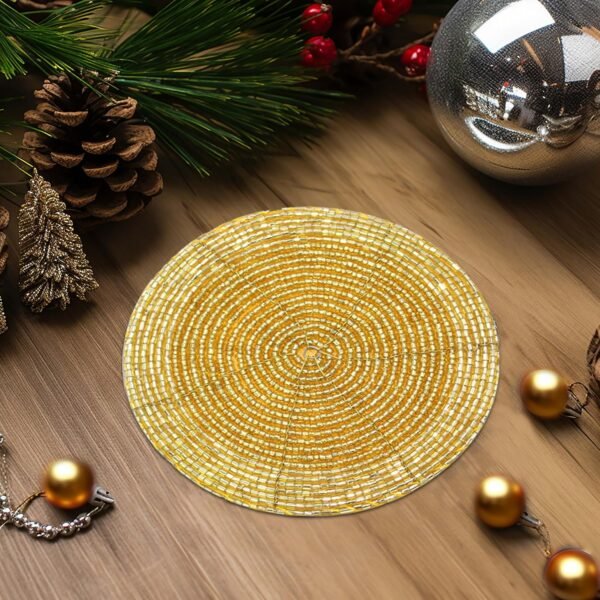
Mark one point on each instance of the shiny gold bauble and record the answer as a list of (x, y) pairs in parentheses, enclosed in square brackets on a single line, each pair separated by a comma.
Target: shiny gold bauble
[(499, 501), (572, 574), (68, 484), (545, 393)]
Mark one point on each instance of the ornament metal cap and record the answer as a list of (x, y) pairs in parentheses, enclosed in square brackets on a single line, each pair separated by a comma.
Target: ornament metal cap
[(101, 497), (528, 520)]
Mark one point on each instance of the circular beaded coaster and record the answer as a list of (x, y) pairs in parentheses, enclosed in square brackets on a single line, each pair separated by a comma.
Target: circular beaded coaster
[(311, 361)]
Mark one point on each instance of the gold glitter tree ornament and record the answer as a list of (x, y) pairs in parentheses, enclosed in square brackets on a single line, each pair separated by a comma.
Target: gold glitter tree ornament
[(53, 265)]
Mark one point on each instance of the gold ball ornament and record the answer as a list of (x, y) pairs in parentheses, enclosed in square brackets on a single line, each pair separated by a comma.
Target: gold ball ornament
[(545, 393), (499, 501), (68, 484), (572, 574)]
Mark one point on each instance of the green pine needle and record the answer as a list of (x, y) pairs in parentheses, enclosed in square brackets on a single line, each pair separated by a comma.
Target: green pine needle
[(219, 77), (66, 41)]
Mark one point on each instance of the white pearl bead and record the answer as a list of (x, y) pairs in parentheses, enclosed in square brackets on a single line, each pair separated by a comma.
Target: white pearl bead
[(83, 521), (5, 514), (34, 528), (50, 532), (67, 528), (19, 520)]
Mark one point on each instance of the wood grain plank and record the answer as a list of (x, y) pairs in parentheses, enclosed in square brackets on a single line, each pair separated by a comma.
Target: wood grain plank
[(534, 254)]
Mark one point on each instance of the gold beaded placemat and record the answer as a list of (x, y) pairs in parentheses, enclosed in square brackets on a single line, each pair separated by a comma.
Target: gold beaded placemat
[(311, 361)]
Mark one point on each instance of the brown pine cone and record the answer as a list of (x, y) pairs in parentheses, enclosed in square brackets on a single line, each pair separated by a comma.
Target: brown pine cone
[(98, 156)]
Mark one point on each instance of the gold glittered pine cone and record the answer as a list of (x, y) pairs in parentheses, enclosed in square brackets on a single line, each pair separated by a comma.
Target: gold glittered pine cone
[(98, 156), (593, 359)]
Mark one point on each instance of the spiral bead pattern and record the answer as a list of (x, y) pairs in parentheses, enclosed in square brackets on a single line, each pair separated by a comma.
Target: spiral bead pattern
[(311, 361)]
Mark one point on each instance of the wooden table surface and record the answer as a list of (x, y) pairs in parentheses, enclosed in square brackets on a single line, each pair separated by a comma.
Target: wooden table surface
[(534, 253)]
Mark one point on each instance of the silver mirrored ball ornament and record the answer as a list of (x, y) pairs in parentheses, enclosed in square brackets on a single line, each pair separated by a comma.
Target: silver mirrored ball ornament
[(515, 86)]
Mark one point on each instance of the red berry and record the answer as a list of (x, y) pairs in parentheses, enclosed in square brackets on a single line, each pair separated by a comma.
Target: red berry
[(397, 7), (319, 52), (414, 59), (317, 18), (307, 58), (383, 17)]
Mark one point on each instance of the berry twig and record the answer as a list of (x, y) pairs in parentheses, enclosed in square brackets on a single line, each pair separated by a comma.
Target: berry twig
[(426, 39), (366, 35), (407, 62), (378, 60)]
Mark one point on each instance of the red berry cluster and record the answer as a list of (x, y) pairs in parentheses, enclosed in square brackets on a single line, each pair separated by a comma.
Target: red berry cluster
[(387, 12), (319, 51)]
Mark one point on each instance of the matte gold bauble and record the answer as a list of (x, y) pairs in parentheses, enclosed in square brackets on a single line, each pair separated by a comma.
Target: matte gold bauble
[(68, 484), (572, 574), (545, 393), (499, 501)]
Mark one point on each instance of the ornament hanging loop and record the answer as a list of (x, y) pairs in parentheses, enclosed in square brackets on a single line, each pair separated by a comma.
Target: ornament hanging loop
[(531, 522), (575, 406)]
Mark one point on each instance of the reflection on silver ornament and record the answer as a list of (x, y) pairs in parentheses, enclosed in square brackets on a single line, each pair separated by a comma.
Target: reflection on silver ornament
[(515, 86)]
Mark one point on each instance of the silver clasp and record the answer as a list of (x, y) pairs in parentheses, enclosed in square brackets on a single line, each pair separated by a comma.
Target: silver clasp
[(101, 497)]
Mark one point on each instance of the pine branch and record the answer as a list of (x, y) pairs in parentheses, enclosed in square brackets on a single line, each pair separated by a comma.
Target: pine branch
[(225, 82), (66, 41)]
